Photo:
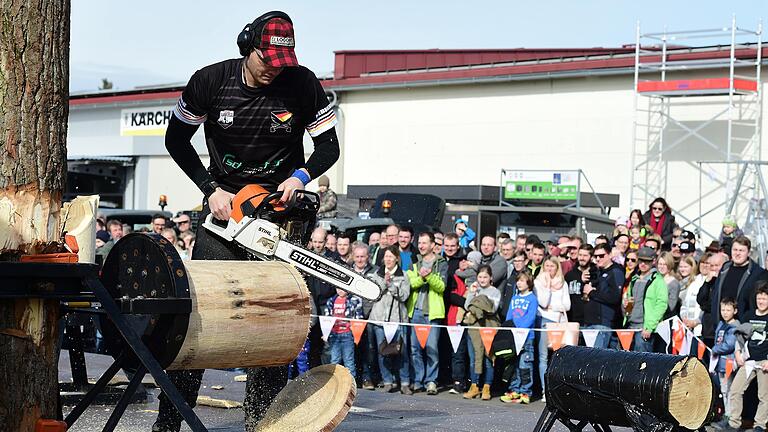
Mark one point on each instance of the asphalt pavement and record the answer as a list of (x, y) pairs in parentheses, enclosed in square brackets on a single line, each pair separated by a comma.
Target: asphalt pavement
[(372, 411)]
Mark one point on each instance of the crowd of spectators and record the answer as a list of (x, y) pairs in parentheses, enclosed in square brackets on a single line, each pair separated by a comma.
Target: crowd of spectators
[(647, 271)]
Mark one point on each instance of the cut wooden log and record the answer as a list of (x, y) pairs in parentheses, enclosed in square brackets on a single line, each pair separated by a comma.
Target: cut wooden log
[(319, 400), (615, 387), (245, 314), (80, 222)]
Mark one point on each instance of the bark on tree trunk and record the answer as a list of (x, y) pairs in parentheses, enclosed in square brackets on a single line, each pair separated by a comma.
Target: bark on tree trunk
[(34, 76)]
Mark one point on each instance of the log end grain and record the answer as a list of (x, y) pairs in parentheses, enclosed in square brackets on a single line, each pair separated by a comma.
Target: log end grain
[(690, 393), (319, 400)]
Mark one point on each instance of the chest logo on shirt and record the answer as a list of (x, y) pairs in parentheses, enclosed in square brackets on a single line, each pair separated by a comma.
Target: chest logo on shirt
[(281, 120), (226, 117)]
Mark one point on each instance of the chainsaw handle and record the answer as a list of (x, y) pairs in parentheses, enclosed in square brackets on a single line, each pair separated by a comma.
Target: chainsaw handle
[(274, 196)]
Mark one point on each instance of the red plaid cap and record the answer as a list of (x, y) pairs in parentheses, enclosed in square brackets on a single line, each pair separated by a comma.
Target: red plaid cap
[(277, 42)]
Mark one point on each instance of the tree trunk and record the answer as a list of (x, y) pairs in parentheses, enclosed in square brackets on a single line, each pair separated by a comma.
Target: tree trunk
[(34, 75)]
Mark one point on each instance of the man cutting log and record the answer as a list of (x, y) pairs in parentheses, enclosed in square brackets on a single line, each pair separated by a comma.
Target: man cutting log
[(255, 110)]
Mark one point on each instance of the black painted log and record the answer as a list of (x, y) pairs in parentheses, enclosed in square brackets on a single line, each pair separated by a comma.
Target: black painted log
[(629, 388)]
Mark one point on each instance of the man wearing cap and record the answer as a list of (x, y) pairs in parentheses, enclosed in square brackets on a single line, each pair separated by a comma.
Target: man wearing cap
[(327, 208), (254, 110), (645, 302)]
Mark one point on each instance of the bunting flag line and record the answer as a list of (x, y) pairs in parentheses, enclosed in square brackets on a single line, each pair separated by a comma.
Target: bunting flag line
[(390, 329), (520, 335), (357, 327), (422, 334), (555, 339), (326, 324), (590, 336), (625, 337), (487, 335), (455, 333)]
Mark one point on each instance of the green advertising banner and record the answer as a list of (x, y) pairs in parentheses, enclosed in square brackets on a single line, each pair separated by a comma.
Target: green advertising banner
[(540, 185)]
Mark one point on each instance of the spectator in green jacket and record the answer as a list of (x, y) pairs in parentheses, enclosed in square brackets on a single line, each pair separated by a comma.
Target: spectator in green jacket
[(427, 276), (645, 302)]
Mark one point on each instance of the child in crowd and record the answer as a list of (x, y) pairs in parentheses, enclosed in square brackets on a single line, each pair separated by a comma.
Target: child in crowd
[(730, 230), (484, 367), (522, 311), (621, 226), (342, 342), (753, 362), (725, 346), (637, 237), (469, 271)]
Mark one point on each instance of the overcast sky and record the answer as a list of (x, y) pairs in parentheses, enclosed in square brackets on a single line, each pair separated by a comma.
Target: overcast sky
[(140, 42)]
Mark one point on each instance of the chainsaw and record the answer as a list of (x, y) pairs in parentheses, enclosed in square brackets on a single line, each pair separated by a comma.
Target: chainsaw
[(270, 230)]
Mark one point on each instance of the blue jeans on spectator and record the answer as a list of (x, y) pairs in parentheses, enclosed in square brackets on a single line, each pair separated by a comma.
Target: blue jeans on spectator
[(642, 345), (487, 365), (301, 364), (603, 338), (459, 361), (421, 376), (389, 366), (522, 380), (343, 350), (543, 347)]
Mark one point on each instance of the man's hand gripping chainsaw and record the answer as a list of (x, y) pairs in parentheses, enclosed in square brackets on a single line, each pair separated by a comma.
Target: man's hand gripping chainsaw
[(249, 229)]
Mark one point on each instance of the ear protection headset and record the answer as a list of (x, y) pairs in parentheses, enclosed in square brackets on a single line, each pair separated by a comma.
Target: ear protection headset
[(247, 38)]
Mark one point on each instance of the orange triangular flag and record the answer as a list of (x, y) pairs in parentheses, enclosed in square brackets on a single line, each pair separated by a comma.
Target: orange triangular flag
[(625, 337), (702, 348), (677, 339), (487, 334), (728, 368), (357, 328), (422, 333), (555, 339)]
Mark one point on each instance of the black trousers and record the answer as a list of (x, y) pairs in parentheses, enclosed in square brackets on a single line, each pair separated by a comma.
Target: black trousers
[(262, 385)]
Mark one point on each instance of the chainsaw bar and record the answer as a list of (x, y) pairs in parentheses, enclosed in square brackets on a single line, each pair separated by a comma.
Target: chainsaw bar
[(327, 270)]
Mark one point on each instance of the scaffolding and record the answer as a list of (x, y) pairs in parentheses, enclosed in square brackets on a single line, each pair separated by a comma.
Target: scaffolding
[(697, 119)]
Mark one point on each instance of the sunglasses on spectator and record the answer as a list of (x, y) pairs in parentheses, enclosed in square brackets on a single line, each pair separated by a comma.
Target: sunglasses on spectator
[(598, 256), (632, 259), (183, 222), (658, 208)]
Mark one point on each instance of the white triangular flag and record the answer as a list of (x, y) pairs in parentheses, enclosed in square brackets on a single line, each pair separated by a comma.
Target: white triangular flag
[(749, 366), (455, 333), (520, 335), (326, 324), (663, 330), (390, 329), (590, 336), (713, 359)]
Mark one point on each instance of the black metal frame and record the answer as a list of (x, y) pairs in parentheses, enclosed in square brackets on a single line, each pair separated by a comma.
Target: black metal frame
[(550, 415), (80, 282)]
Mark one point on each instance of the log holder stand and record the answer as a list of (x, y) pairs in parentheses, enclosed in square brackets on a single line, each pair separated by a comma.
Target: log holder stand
[(148, 330)]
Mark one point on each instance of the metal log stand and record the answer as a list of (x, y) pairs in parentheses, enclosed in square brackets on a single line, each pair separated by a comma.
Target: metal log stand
[(144, 307)]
